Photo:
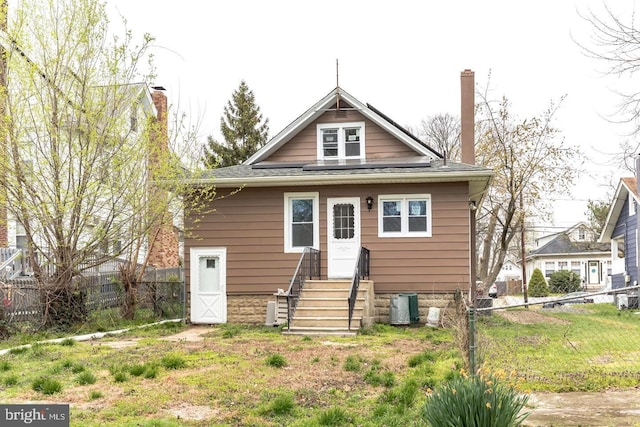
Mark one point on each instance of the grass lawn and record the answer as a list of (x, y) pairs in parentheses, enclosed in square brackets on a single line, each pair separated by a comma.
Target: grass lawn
[(230, 375), (578, 347), (235, 375)]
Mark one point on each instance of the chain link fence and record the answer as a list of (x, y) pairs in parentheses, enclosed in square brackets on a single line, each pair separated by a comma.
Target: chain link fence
[(565, 337)]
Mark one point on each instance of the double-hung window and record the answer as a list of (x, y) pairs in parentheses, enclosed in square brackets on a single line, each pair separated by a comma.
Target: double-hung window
[(404, 215), (301, 221), (338, 141)]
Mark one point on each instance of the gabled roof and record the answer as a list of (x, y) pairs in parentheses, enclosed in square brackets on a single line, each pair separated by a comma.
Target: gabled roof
[(332, 99), (427, 166), (625, 187), (563, 245)]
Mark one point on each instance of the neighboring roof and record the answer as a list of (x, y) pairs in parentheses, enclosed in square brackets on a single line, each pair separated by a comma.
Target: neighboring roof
[(563, 245), (625, 187), (328, 102)]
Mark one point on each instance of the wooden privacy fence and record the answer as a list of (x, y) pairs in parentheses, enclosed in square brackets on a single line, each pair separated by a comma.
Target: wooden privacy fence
[(161, 290)]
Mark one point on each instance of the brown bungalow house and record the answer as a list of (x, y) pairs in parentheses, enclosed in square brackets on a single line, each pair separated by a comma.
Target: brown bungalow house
[(339, 178)]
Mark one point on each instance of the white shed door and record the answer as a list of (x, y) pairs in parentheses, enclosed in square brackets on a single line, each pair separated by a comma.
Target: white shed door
[(208, 285), (343, 236)]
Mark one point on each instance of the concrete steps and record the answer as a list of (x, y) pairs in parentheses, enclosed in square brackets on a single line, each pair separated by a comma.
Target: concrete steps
[(323, 309)]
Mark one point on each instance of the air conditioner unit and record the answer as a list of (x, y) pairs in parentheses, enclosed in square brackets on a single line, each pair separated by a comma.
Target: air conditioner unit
[(622, 302)]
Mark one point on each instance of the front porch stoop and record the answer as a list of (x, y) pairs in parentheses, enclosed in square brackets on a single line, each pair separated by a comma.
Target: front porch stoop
[(323, 308)]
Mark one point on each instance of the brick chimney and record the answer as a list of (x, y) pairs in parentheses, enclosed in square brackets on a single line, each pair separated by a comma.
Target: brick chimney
[(467, 116), (163, 237)]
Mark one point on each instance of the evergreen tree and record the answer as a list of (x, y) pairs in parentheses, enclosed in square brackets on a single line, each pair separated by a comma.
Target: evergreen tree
[(243, 130), (537, 284)]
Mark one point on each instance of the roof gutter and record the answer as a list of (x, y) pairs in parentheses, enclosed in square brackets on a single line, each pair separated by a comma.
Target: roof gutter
[(282, 181)]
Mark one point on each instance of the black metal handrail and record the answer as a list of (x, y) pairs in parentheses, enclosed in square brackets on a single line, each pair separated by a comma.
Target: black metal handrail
[(361, 271), (308, 267)]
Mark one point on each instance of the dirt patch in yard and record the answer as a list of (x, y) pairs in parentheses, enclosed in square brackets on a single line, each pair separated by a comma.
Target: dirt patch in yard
[(528, 317)]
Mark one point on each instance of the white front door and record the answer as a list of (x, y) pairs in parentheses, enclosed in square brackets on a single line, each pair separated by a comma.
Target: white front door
[(594, 272), (208, 285), (343, 236)]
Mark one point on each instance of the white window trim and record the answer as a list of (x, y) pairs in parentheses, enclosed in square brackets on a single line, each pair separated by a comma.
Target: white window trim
[(340, 127), (288, 197), (632, 205), (404, 198)]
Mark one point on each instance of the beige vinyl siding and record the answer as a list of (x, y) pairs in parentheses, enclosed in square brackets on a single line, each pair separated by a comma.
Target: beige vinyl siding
[(250, 225), (378, 143)]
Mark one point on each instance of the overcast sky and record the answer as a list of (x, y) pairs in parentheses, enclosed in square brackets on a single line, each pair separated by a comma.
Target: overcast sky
[(403, 57)]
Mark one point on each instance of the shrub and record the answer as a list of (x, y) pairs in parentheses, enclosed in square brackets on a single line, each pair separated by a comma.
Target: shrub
[(46, 385), (276, 360), (564, 281), (537, 285), (482, 400)]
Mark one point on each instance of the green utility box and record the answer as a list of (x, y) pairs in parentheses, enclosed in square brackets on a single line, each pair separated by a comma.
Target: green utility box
[(414, 314)]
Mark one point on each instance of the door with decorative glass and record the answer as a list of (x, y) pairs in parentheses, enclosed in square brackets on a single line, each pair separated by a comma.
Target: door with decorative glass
[(343, 236)]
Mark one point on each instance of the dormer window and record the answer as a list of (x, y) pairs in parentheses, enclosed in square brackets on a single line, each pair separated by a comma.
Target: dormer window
[(338, 141)]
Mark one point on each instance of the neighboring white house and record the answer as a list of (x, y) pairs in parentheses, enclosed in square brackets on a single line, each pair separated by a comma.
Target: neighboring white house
[(575, 249), (510, 271)]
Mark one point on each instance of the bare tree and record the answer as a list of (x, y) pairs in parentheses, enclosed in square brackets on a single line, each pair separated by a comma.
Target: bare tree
[(442, 132), (84, 164), (531, 165)]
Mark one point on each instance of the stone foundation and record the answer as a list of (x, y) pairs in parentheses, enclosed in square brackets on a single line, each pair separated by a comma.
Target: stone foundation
[(252, 309), (248, 309), (442, 301)]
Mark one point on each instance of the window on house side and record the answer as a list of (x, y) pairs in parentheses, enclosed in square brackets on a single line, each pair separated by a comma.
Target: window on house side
[(341, 141), (632, 205), (301, 223), (404, 216)]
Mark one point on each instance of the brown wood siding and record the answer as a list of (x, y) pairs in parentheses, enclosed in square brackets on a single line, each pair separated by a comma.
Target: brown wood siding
[(378, 143), (250, 225)]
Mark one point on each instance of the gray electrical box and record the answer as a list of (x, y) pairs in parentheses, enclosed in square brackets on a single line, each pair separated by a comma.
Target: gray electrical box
[(399, 310)]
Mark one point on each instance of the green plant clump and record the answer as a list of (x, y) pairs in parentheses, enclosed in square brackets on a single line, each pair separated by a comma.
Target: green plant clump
[(85, 378), (564, 281), (537, 285), (351, 364), (334, 417), (46, 385), (173, 361), (276, 361), (282, 405), (482, 400)]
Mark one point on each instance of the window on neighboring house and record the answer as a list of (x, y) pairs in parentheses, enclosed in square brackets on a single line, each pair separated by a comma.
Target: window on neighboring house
[(632, 205), (582, 234), (563, 265), (575, 267), (549, 268), (404, 215), (341, 141), (301, 221)]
